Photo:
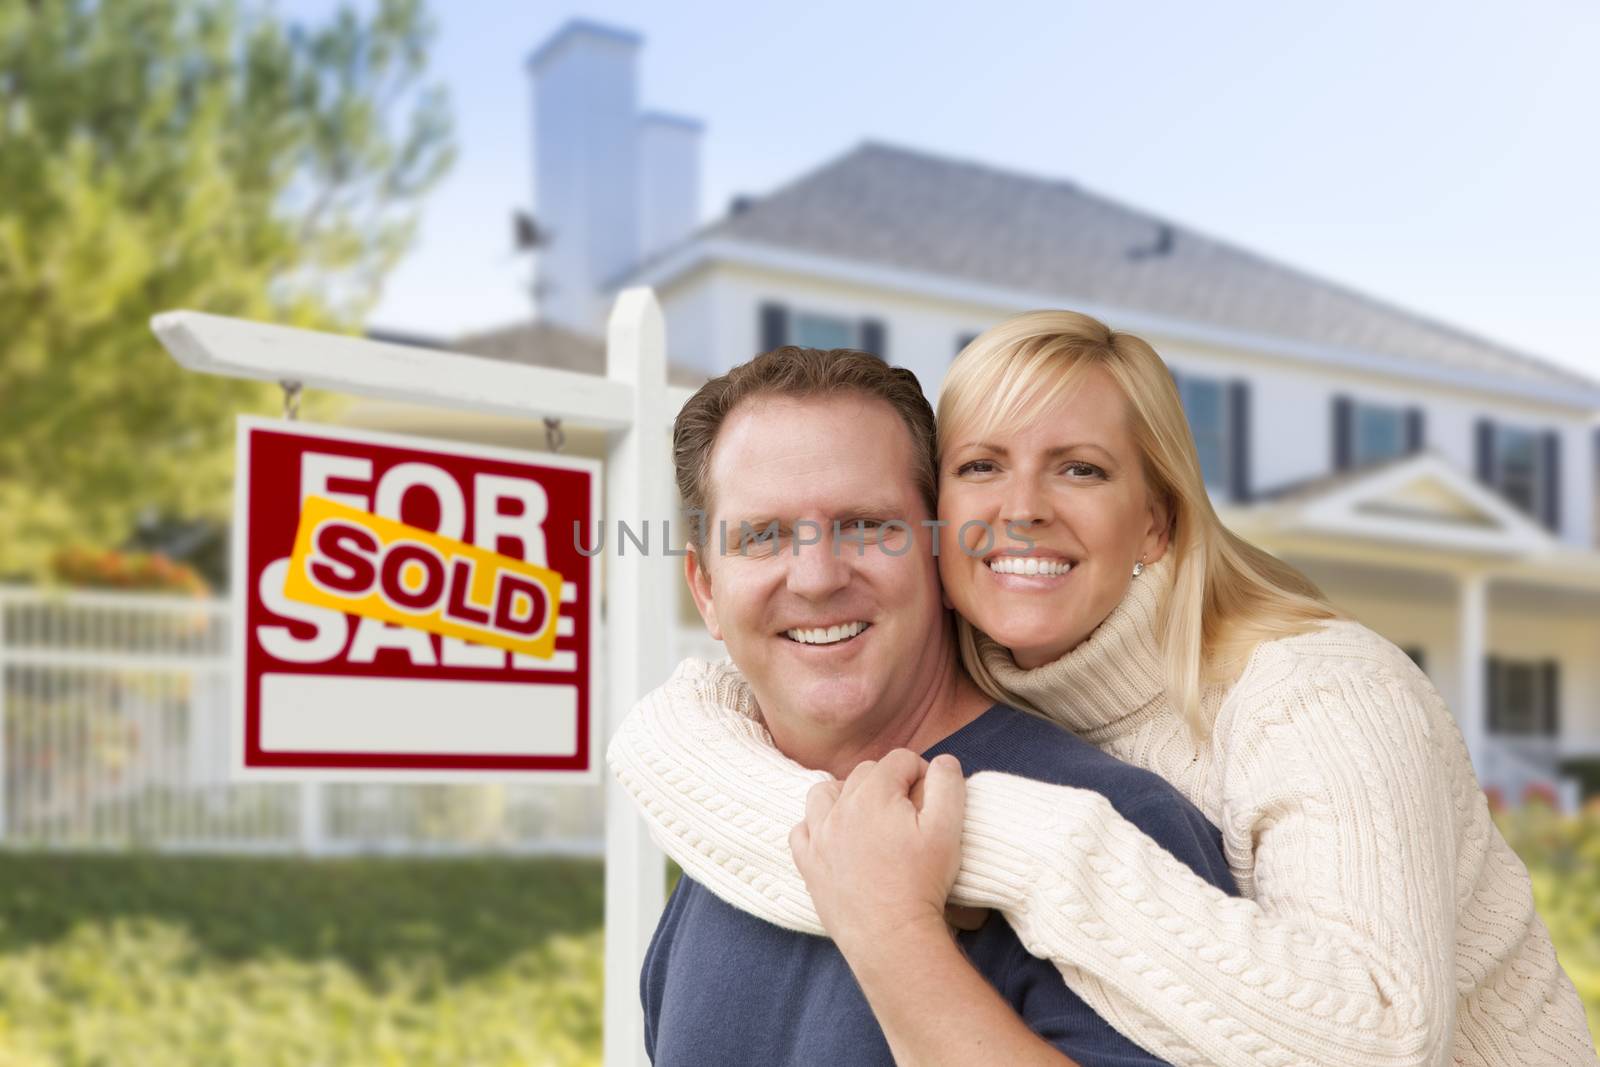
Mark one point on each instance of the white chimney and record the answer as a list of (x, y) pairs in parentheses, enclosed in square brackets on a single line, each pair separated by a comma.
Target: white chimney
[(586, 167), (669, 180)]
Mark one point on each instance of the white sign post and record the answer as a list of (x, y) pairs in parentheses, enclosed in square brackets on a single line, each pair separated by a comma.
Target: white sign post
[(633, 404)]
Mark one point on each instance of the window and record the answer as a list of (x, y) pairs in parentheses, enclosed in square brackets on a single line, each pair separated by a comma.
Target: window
[(1523, 698), (1379, 433), (823, 331), (1205, 401), (1219, 419), (1524, 466), (1366, 433), (1516, 467), (779, 325)]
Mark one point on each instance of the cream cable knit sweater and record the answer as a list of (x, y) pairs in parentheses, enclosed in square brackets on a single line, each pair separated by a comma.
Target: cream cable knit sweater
[(1384, 920)]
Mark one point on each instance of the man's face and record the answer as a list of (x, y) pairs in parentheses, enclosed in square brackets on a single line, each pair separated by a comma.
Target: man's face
[(786, 606)]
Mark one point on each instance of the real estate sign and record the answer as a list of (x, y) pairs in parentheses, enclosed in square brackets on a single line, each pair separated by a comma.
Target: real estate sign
[(411, 609)]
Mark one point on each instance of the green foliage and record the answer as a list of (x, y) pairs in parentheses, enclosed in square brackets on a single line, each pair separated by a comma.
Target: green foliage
[(117, 961), (1562, 854), (177, 961), (158, 154)]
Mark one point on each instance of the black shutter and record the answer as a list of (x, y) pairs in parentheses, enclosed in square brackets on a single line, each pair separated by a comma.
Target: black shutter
[(1550, 685), (774, 326), (1552, 480), (1485, 452), (1239, 440), (1415, 433), (1491, 694), (873, 338), (1177, 385), (1344, 417)]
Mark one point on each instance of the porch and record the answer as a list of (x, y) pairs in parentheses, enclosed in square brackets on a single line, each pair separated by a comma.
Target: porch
[(1504, 619)]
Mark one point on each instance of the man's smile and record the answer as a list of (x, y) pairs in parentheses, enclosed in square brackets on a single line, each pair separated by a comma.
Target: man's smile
[(834, 634)]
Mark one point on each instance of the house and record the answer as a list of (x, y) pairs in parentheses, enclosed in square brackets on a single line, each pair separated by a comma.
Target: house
[(1439, 486)]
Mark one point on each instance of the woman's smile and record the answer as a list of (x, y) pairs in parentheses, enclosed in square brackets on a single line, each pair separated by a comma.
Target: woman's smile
[(1068, 489), (1025, 573)]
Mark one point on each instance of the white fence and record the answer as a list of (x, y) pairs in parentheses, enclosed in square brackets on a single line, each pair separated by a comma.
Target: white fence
[(114, 734)]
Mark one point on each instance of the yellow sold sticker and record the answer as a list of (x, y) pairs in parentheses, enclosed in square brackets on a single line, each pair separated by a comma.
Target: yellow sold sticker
[(363, 564)]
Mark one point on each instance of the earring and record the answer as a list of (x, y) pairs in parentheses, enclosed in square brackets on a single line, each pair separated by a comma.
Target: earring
[(1138, 568)]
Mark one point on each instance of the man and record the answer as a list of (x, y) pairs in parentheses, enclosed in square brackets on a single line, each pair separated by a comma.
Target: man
[(813, 474)]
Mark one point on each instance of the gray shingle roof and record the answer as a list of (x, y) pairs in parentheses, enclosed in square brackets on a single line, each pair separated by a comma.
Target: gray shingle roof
[(545, 344), (899, 208)]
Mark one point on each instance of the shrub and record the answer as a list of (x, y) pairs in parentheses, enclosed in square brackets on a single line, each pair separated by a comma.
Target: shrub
[(1562, 854), (110, 569), (216, 962)]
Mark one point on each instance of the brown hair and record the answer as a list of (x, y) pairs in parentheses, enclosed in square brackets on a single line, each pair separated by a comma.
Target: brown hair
[(800, 373)]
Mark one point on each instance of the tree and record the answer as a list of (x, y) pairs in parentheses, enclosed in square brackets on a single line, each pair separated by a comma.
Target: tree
[(157, 154)]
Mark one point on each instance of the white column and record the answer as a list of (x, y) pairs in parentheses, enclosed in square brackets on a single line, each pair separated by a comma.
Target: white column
[(1472, 651), (639, 623)]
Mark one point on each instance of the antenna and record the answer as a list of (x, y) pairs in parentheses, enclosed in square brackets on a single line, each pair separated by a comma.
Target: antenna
[(1166, 238), (526, 233)]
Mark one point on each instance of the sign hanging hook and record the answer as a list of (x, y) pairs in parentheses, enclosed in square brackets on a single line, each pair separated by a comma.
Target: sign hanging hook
[(291, 398), (555, 438)]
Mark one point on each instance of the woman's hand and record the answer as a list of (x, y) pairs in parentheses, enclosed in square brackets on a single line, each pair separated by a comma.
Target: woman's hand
[(878, 867)]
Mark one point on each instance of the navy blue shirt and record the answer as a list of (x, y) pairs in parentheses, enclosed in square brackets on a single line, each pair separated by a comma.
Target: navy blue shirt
[(724, 989)]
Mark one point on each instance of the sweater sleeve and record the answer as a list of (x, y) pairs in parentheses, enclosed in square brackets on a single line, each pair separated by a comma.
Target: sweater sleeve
[(1334, 777), (716, 794)]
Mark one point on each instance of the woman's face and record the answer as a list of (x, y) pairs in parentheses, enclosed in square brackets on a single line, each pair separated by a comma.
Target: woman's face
[(1070, 513)]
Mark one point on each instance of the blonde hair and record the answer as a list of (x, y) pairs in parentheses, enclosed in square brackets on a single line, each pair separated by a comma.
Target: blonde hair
[(1227, 595)]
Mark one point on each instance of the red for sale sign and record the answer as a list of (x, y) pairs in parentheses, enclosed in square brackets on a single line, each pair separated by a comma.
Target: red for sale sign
[(411, 609)]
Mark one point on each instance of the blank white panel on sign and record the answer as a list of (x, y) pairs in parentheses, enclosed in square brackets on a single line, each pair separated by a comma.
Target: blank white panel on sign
[(411, 715)]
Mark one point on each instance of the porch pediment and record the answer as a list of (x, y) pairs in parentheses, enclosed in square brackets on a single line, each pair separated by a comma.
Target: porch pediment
[(1420, 500)]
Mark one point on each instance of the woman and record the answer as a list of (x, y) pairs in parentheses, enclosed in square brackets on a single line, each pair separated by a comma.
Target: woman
[(1384, 919)]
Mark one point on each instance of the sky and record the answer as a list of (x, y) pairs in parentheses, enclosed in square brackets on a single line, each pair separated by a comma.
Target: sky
[(1442, 156)]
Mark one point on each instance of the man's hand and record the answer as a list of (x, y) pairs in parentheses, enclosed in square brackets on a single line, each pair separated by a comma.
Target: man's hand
[(957, 916), (878, 868)]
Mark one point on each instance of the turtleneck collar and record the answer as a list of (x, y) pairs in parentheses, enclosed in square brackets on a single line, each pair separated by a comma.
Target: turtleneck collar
[(1100, 687)]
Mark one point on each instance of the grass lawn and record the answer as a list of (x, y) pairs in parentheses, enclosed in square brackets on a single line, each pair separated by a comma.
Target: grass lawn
[(117, 961), (108, 961)]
